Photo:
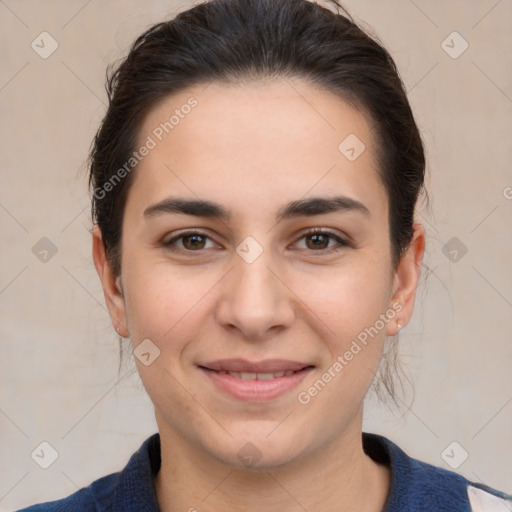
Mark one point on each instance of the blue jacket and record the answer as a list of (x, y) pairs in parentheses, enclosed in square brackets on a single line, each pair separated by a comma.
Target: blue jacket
[(415, 486)]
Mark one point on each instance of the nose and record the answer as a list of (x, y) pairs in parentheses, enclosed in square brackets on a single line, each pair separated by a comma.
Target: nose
[(255, 299)]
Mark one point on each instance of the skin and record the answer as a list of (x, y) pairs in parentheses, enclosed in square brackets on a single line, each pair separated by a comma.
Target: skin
[(253, 148)]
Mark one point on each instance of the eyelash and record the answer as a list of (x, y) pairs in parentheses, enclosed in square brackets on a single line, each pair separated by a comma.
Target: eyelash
[(170, 244)]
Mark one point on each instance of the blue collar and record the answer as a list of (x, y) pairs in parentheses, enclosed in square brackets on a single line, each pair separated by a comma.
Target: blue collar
[(415, 485)]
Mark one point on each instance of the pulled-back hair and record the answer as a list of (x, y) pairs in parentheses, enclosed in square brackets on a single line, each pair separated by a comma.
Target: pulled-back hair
[(237, 40)]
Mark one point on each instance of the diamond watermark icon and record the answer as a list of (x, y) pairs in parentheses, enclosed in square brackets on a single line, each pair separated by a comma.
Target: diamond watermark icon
[(454, 45), (249, 455), (146, 352), (44, 455), (44, 250), (454, 455), (44, 45), (351, 147), (454, 249), (249, 249)]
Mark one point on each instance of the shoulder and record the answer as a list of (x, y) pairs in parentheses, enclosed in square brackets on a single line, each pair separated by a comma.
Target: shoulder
[(83, 500), (450, 491), (486, 499), (420, 486), (131, 488)]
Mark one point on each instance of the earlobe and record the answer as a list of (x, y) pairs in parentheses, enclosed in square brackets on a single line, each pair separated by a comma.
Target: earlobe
[(112, 288), (406, 279)]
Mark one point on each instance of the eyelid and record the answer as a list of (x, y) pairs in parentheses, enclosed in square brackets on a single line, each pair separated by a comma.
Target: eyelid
[(341, 240), (182, 234)]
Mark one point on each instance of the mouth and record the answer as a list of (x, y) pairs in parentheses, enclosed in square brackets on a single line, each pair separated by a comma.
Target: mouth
[(255, 381), (256, 376)]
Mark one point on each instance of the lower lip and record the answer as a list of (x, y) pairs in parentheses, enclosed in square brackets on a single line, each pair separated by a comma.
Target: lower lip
[(255, 390)]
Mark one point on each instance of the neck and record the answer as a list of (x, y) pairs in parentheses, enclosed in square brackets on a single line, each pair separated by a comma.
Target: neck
[(341, 478)]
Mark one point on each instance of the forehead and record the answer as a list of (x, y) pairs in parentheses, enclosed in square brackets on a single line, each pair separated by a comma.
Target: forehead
[(230, 140)]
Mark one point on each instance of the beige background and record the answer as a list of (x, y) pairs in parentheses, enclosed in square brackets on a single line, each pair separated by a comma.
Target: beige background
[(59, 354)]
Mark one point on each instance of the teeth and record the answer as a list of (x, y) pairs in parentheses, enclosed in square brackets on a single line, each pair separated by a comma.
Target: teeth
[(259, 376), (268, 376)]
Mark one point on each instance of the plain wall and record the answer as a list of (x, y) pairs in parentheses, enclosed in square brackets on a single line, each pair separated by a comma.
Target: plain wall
[(59, 354)]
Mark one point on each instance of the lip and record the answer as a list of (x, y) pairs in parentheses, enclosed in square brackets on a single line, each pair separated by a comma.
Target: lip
[(243, 365), (255, 390)]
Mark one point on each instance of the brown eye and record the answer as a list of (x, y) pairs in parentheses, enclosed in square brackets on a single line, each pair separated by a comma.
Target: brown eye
[(318, 241), (191, 241), (323, 241)]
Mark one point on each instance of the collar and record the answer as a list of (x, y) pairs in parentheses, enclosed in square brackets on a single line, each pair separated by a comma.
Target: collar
[(415, 485)]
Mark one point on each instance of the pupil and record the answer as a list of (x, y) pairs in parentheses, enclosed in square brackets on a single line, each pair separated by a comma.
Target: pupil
[(318, 238), (197, 241)]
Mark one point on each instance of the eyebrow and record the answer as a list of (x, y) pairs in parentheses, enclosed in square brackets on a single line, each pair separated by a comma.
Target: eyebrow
[(299, 208)]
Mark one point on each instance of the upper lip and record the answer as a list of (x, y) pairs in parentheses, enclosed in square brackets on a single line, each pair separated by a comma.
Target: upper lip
[(242, 365)]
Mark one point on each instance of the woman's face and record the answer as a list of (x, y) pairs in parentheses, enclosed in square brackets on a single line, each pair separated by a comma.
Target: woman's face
[(255, 338)]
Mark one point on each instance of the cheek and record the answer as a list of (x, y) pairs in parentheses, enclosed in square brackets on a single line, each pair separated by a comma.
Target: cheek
[(351, 305), (164, 301), (347, 299), (168, 309)]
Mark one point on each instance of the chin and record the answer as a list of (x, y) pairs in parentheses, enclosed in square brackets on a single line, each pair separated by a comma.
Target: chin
[(258, 451)]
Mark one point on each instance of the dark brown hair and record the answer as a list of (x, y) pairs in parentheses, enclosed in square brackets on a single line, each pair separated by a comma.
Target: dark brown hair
[(235, 40)]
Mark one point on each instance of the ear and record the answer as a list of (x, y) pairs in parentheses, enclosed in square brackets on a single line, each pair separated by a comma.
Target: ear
[(112, 288), (406, 278)]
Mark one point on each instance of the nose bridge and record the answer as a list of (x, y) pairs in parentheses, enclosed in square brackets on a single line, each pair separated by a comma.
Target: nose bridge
[(255, 301), (254, 282)]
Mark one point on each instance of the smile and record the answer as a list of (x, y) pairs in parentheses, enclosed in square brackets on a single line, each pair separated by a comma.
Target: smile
[(255, 382), (258, 376)]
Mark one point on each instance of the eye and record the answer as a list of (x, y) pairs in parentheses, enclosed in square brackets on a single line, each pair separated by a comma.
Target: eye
[(191, 241), (318, 240)]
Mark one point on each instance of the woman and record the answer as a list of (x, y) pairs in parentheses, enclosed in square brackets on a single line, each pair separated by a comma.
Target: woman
[(254, 183)]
